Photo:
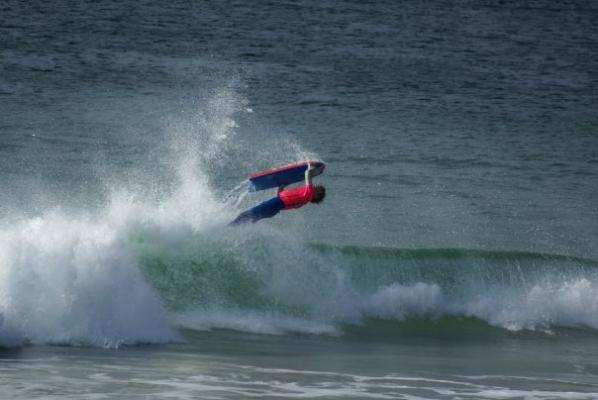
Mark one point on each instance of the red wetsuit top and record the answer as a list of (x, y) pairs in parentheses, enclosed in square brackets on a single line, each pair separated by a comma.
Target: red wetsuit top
[(295, 198)]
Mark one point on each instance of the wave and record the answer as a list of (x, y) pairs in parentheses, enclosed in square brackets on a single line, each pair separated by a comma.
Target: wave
[(124, 277), (131, 275), (153, 260), (264, 284)]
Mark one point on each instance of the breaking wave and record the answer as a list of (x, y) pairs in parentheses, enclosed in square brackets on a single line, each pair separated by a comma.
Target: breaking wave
[(153, 260)]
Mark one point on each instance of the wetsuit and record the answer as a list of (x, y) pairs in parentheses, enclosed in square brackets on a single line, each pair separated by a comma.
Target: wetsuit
[(286, 199)]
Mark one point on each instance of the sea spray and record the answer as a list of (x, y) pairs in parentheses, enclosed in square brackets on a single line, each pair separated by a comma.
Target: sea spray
[(71, 276), (79, 276)]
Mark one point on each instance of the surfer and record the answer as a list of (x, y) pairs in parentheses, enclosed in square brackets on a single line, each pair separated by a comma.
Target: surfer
[(286, 199)]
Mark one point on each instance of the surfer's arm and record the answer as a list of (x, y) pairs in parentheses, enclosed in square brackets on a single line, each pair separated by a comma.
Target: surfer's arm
[(309, 173)]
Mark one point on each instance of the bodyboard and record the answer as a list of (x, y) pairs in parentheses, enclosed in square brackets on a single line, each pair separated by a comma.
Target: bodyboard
[(282, 175)]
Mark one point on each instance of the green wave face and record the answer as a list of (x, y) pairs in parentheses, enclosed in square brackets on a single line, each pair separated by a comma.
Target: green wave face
[(254, 280)]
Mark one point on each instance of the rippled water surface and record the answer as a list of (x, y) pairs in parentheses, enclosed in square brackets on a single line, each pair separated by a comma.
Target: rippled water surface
[(454, 256)]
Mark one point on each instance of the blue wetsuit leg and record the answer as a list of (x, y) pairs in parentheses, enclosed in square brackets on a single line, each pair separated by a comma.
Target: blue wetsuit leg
[(266, 209)]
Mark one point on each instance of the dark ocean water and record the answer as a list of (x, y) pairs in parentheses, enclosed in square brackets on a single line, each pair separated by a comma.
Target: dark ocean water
[(455, 254)]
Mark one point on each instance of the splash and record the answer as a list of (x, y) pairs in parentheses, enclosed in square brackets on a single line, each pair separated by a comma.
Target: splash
[(76, 276), (71, 277)]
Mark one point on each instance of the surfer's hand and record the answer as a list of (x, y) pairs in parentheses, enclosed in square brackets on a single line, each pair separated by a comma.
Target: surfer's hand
[(309, 173)]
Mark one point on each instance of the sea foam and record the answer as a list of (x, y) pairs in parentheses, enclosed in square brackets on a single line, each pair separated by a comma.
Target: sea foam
[(72, 280)]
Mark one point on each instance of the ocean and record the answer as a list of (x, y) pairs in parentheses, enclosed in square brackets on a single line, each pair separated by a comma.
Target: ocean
[(454, 257)]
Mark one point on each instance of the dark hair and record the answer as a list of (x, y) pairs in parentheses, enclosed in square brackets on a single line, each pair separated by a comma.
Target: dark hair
[(319, 194)]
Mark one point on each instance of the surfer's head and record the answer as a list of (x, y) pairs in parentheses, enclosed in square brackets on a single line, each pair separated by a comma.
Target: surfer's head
[(319, 194)]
